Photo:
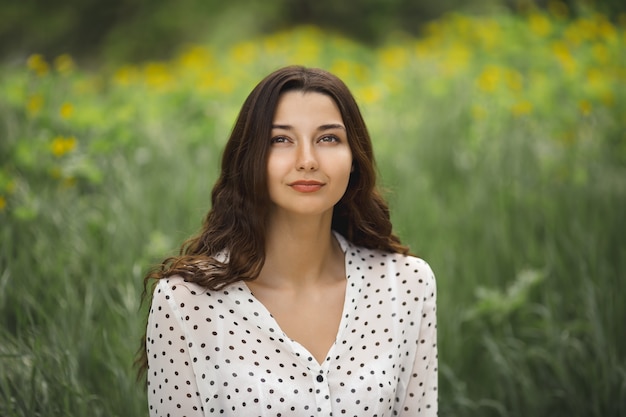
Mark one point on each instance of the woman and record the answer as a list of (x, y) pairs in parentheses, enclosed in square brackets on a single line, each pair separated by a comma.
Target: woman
[(296, 298)]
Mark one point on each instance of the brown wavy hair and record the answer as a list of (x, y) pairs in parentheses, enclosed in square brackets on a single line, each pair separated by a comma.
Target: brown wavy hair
[(231, 244)]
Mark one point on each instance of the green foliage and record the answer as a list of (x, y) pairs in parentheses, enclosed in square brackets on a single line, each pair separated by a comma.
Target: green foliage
[(136, 30), (500, 140)]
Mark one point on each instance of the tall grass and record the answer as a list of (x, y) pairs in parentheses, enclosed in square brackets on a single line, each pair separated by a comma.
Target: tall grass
[(500, 143)]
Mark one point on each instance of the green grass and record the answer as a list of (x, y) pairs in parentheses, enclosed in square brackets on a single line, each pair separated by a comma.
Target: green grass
[(504, 163)]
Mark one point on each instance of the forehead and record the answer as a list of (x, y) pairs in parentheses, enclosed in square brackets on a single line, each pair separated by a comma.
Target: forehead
[(306, 104)]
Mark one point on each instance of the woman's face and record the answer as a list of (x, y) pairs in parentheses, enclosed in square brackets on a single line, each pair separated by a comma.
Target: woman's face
[(309, 160)]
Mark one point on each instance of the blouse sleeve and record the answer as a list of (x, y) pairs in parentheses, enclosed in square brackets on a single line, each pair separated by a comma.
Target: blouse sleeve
[(421, 394), (172, 389)]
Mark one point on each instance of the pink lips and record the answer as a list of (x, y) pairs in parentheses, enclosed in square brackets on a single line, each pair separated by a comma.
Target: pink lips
[(305, 186)]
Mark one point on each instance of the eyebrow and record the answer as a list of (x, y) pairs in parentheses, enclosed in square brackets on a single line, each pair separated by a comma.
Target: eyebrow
[(321, 128)]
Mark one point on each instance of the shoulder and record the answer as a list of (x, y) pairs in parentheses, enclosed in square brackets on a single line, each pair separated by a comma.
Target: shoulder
[(403, 285), (404, 265), (373, 256), (379, 257), (175, 287), (414, 265), (406, 269)]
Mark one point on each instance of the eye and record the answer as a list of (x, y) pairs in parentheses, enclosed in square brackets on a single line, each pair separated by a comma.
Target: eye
[(329, 139), (279, 139)]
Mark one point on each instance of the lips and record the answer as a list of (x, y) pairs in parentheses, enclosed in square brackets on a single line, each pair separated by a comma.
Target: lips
[(306, 186)]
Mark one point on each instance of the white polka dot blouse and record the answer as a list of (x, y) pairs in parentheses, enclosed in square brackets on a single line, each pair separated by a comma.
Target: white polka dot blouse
[(222, 353)]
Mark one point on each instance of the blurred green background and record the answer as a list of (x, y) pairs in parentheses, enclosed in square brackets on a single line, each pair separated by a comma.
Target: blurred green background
[(135, 30), (500, 135)]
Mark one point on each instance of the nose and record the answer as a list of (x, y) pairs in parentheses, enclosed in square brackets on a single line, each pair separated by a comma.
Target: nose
[(307, 160)]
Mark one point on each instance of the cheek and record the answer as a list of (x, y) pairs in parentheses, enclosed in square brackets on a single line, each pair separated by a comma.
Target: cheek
[(276, 166), (347, 169), (343, 170), (346, 164)]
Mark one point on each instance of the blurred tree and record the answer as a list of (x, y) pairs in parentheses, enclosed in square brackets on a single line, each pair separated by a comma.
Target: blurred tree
[(77, 26), (374, 20), (612, 8), (130, 30), (121, 29)]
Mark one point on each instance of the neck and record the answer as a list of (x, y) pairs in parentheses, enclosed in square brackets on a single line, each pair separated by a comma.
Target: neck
[(300, 252)]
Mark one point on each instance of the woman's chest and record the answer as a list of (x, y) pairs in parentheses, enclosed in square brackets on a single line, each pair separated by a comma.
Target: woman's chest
[(250, 371)]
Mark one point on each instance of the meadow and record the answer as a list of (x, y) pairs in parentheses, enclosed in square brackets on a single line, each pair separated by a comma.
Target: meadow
[(500, 142)]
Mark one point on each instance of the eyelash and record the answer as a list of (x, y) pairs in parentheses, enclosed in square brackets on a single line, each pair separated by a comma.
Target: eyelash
[(279, 139), (284, 139), (332, 137)]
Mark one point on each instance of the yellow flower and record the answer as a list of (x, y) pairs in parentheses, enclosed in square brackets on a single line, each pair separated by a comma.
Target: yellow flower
[(62, 145), (488, 33), (66, 111), (349, 70), (604, 28), (560, 48), (38, 64), (92, 85), (423, 48), (539, 24), (195, 57), (489, 79), (307, 46), (273, 45), (562, 53), (125, 75), (58, 146), (64, 64), (342, 68), (225, 84), (244, 53), (456, 59), (368, 95), (575, 33), (597, 80), (206, 80), (522, 108), (157, 75), (3, 203), (34, 104), (394, 57), (600, 53)]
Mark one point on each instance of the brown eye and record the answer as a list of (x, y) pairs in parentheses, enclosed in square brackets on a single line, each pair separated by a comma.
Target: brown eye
[(279, 139), (329, 139)]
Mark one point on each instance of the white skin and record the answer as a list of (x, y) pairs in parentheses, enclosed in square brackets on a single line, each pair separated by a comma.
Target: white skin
[(303, 280)]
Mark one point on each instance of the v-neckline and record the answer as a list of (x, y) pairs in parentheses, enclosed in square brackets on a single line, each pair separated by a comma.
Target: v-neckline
[(274, 326)]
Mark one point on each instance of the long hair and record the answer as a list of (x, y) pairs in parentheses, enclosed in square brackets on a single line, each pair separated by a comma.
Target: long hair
[(231, 244)]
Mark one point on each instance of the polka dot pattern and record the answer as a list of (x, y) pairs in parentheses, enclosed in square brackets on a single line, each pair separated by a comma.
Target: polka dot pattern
[(222, 353)]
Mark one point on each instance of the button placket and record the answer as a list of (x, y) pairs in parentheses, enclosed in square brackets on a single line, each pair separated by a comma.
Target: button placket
[(322, 395)]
